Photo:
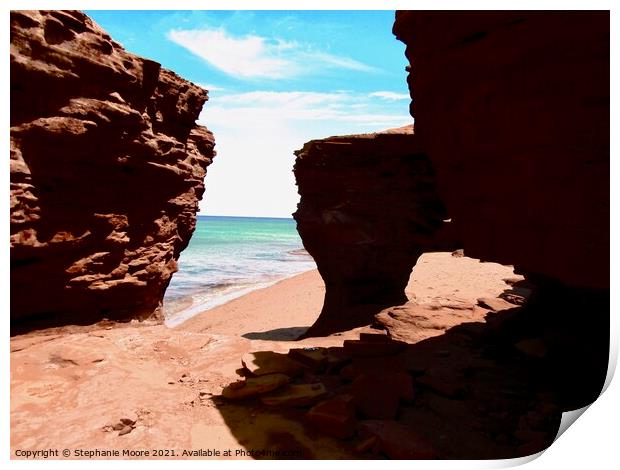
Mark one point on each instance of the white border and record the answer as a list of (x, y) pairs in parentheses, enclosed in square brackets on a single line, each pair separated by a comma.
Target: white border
[(592, 442)]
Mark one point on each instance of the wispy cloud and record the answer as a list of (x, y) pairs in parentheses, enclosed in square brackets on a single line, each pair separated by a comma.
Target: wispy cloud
[(390, 95), (255, 56), (257, 132), (298, 108), (208, 86)]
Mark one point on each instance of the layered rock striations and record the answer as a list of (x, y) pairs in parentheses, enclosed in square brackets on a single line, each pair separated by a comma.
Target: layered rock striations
[(512, 109), (368, 210), (107, 168)]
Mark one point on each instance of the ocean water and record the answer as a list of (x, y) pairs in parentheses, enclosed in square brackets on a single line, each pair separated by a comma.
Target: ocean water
[(230, 256)]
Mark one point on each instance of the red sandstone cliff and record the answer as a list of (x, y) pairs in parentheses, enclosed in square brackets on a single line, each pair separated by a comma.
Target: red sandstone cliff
[(512, 109), (368, 210), (107, 168)]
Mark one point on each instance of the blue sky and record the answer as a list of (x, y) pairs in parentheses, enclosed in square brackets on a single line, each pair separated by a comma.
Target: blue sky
[(277, 79)]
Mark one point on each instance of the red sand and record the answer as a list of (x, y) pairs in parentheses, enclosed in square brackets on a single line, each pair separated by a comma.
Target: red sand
[(68, 383)]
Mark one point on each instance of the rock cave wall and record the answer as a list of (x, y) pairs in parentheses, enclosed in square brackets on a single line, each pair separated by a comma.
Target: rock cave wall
[(107, 169), (512, 109)]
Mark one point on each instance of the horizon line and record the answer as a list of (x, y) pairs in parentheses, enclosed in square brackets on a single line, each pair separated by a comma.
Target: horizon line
[(246, 216)]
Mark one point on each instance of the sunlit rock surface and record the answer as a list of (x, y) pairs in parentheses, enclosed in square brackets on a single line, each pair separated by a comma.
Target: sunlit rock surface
[(107, 168)]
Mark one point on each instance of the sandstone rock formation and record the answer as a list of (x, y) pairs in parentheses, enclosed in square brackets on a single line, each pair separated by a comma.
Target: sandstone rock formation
[(107, 168), (368, 210), (512, 109)]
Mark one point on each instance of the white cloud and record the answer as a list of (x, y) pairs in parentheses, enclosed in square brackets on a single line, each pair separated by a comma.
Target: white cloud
[(257, 132), (290, 107), (390, 95), (210, 87), (254, 56)]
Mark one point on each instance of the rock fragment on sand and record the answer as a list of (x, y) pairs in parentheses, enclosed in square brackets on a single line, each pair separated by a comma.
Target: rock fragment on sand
[(452, 303), (186, 378), (269, 362), (313, 357), (296, 395), (321, 359), (494, 304), (379, 396), (412, 322), (254, 386), (334, 417), (396, 440), (374, 366), (123, 426), (336, 358), (374, 337), (513, 298)]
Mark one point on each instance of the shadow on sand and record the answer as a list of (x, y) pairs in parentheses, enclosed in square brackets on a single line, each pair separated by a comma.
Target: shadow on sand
[(278, 334), (483, 390)]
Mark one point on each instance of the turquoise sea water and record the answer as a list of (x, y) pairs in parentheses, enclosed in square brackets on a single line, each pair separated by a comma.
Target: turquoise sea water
[(230, 256)]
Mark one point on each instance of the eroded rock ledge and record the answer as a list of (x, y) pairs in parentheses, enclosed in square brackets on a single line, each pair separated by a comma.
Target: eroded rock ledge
[(107, 168), (368, 210)]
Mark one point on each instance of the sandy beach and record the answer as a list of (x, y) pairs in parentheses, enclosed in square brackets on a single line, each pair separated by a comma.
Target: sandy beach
[(285, 310), (165, 379)]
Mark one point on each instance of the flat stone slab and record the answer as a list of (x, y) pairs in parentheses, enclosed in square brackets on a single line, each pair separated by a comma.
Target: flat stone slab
[(495, 304), (378, 396), (296, 395), (313, 357), (269, 362), (334, 417), (374, 366), (319, 358), (254, 386), (397, 441), (372, 348), (414, 322)]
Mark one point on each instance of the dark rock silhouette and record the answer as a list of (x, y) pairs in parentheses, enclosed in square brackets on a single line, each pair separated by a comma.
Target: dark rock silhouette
[(107, 168), (368, 210), (512, 116), (512, 109)]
